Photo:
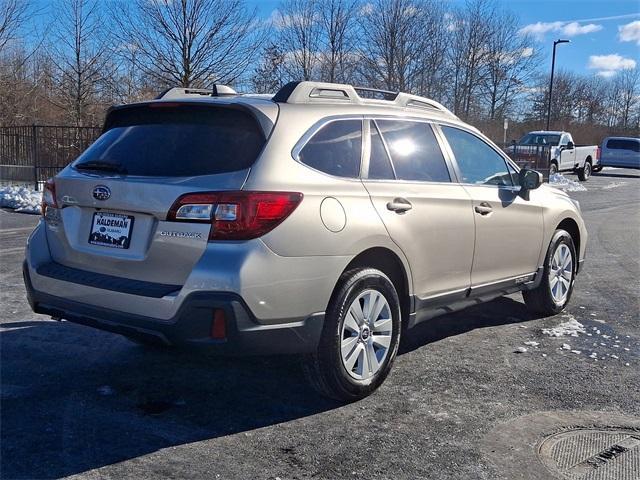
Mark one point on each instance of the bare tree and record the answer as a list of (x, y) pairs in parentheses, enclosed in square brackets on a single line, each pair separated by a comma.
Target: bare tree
[(337, 20), (432, 77), (626, 85), (190, 42), (469, 53), (13, 16), (298, 26), (80, 51), (392, 42), (269, 75), (510, 61)]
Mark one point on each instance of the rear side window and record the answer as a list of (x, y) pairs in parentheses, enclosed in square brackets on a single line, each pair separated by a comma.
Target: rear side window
[(175, 141), (335, 149), (414, 150), (477, 161), (620, 144)]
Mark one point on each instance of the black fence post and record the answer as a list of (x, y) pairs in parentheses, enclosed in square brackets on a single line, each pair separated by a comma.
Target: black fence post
[(34, 154)]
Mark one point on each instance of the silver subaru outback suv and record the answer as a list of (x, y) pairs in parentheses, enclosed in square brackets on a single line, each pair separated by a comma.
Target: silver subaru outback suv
[(326, 221)]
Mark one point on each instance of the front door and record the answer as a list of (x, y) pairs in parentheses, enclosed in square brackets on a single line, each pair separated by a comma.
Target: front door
[(509, 229)]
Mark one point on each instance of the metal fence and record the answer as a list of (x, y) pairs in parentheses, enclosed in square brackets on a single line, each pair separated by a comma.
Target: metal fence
[(33, 153), (535, 157)]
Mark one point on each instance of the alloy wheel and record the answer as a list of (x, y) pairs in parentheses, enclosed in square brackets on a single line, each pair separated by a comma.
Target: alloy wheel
[(561, 274), (365, 335)]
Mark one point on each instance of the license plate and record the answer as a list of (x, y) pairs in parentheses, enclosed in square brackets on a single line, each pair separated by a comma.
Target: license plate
[(111, 230)]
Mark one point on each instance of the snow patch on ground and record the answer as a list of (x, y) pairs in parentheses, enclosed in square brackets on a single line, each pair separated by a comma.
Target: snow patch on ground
[(21, 199), (570, 328), (560, 181), (613, 185)]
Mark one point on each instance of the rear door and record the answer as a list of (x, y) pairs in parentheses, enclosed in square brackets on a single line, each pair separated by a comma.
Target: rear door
[(426, 213), (509, 229), (115, 197)]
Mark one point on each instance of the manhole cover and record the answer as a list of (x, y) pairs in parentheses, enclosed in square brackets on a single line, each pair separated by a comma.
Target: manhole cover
[(593, 454)]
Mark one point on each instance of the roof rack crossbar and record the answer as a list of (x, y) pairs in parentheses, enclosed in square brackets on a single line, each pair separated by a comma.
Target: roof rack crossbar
[(320, 92)]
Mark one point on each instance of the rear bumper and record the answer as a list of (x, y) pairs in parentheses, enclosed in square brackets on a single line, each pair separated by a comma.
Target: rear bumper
[(191, 325)]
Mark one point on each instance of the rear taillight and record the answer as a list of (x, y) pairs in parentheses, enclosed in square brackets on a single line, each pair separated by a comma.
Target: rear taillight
[(235, 215), (48, 196), (597, 153)]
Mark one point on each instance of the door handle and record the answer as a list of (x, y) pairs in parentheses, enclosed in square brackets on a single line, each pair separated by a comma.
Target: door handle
[(399, 205), (483, 209)]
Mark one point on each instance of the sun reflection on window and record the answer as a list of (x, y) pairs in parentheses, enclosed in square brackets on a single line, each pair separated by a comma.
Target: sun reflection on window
[(403, 146)]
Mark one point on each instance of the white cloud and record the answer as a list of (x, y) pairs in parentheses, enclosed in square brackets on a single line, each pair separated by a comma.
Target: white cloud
[(574, 28), (606, 73), (526, 52), (630, 32), (608, 65), (568, 29)]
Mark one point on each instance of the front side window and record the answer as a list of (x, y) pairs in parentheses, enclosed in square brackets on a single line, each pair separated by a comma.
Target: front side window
[(477, 161), (335, 149), (414, 150)]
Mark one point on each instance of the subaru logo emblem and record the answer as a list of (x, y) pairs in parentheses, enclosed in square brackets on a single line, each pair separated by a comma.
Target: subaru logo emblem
[(101, 192)]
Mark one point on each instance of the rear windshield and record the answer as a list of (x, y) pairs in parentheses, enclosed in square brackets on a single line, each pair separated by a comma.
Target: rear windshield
[(620, 144), (175, 141), (539, 139)]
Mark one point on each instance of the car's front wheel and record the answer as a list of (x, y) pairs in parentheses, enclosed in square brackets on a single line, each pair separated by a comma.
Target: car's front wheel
[(556, 286), (360, 337)]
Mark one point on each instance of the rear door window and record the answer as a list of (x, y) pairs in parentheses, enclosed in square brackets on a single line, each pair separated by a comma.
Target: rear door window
[(335, 149), (477, 161), (175, 141), (414, 150)]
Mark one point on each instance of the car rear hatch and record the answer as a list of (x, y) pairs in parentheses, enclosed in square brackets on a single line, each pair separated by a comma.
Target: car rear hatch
[(112, 203)]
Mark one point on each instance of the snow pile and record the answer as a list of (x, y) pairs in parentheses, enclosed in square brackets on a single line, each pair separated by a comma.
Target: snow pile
[(560, 181), (21, 199), (569, 328)]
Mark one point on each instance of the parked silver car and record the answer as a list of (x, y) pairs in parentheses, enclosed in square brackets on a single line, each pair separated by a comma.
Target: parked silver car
[(325, 221)]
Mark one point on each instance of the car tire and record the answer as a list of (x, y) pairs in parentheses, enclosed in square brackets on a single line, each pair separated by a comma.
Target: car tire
[(553, 168), (554, 291), (585, 172), (339, 369)]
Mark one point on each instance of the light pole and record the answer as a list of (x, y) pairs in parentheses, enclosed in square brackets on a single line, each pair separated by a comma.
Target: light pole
[(553, 66)]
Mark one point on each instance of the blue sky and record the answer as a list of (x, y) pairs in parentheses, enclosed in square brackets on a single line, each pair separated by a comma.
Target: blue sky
[(596, 46)]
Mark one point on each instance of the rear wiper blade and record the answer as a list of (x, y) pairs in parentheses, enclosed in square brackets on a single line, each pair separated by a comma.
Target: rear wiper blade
[(103, 166)]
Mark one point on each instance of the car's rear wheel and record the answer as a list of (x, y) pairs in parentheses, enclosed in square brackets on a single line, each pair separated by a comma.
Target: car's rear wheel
[(585, 172), (360, 337), (553, 168), (555, 289)]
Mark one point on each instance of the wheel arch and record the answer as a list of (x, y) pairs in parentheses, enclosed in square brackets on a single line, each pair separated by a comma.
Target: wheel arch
[(388, 262), (571, 226)]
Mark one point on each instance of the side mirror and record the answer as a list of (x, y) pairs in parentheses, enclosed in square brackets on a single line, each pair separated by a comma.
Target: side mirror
[(570, 146), (529, 179)]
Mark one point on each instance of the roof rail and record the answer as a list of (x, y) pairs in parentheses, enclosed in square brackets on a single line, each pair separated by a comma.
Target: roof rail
[(320, 92), (186, 92)]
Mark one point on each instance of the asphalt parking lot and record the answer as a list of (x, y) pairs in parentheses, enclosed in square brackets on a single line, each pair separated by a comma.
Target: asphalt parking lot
[(460, 403)]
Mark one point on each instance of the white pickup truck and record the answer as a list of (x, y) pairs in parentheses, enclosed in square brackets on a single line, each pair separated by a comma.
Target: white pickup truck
[(564, 154)]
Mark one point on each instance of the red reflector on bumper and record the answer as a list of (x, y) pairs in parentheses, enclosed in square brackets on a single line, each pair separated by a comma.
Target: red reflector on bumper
[(219, 325)]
